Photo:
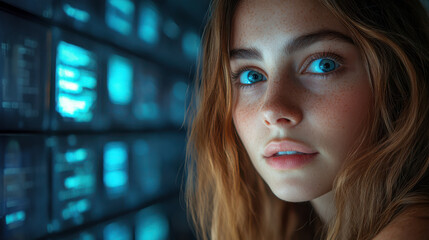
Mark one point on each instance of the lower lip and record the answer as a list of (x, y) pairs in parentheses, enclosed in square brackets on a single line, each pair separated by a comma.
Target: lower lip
[(287, 162)]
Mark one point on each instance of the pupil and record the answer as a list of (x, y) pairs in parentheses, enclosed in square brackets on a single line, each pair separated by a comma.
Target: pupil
[(326, 65), (253, 76)]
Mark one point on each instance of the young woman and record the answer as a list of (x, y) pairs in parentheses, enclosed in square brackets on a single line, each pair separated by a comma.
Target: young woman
[(311, 121)]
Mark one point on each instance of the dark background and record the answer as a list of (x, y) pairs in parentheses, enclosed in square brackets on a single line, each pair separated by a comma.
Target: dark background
[(92, 103)]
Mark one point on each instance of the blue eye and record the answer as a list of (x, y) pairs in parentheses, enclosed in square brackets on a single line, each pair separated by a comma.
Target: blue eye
[(322, 65), (250, 77)]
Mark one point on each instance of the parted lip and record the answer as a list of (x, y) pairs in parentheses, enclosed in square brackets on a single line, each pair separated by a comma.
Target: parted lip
[(284, 145)]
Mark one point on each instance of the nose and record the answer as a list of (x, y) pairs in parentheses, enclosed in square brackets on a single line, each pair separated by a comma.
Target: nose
[(282, 106)]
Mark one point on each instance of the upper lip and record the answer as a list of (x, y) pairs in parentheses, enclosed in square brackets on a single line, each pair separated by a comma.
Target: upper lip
[(284, 145)]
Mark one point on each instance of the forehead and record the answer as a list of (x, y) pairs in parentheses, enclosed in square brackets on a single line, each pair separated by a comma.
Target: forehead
[(270, 21)]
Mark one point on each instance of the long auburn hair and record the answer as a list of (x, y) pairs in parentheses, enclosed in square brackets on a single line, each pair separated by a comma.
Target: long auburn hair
[(387, 173)]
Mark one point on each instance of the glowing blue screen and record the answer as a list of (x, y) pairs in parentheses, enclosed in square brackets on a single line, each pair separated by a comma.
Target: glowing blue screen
[(178, 102), (147, 106), (190, 44), (76, 82), (152, 225), (119, 15), (149, 22), (115, 168), (117, 231), (120, 80), (78, 14), (149, 165)]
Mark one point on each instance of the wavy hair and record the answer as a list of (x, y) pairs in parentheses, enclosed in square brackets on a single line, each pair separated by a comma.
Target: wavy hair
[(385, 175)]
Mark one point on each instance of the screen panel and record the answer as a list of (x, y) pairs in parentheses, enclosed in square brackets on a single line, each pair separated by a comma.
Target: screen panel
[(24, 180), (75, 176), (78, 98), (120, 16), (23, 74), (148, 105)]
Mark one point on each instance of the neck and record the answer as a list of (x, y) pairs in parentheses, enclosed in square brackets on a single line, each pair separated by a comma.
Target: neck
[(324, 206)]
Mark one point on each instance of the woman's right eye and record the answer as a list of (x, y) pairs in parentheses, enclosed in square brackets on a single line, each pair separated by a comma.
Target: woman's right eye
[(250, 77)]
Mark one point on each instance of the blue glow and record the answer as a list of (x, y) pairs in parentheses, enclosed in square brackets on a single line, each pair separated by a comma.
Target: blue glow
[(152, 225), (171, 29), (149, 22), (77, 155), (75, 82), (73, 56), (120, 80), (179, 90), (177, 102), (74, 209), (116, 231), (75, 13), (115, 179), (79, 181), (147, 111), (115, 173), (149, 166), (119, 15), (191, 44), (86, 236), (15, 217)]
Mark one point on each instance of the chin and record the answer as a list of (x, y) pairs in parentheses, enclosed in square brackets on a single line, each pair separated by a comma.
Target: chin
[(290, 194)]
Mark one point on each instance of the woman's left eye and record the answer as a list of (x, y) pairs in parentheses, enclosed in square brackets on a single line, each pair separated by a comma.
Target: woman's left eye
[(322, 65)]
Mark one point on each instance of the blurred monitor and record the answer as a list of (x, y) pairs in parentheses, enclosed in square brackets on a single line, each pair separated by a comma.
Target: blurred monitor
[(191, 44), (118, 230), (120, 15), (149, 23), (76, 83), (148, 106), (23, 74), (120, 91), (148, 168), (152, 223), (74, 181), (24, 181), (178, 101), (78, 98), (115, 169)]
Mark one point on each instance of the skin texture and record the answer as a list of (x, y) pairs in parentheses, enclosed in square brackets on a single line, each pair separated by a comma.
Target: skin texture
[(325, 112)]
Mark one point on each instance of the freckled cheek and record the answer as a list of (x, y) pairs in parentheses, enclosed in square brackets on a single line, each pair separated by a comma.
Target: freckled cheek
[(343, 114), (244, 115)]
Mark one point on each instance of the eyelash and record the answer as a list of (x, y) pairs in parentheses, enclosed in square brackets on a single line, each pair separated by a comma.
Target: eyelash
[(328, 55)]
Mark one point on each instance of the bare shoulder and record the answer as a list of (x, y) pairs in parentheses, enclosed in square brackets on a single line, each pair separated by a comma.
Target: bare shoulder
[(413, 224)]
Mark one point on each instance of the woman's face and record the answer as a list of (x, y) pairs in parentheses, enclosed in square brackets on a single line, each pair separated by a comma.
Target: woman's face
[(301, 93)]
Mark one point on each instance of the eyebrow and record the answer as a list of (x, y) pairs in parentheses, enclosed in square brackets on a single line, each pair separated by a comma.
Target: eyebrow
[(294, 45)]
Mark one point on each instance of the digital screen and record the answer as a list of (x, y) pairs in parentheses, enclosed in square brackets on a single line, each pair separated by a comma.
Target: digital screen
[(148, 167), (23, 74), (151, 224), (171, 29), (191, 44), (120, 92), (149, 24), (115, 169), (74, 181), (76, 12), (24, 178), (118, 231), (76, 83), (178, 102), (147, 105), (120, 15), (120, 80)]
